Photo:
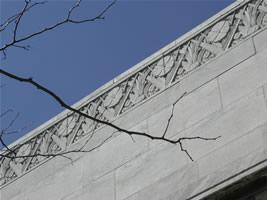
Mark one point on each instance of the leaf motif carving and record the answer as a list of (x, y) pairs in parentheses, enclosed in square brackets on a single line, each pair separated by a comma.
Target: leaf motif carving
[(108, 113), (44, 144), (88, 124), (16, 167), (249, 19), (113, 97), (66, 126), (212, 48), (264, 19), (24, 150), (3, 169), (163, 66), (137, 93), (60, 141), (218, 31), (263, 8), (43, 149), (159, 83), (190, 62)]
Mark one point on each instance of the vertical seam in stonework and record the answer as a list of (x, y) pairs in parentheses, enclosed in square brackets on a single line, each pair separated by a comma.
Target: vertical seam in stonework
[(114, 179), (264, 95), (147, 142), (253, 44), (220, 93)]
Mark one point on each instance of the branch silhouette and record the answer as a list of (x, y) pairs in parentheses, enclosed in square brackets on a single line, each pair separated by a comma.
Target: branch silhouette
[(16, 42), (68, 20), (120, 129), (13, 18)]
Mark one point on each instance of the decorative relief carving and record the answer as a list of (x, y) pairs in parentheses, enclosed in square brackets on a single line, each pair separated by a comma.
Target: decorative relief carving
[(155, 77), (218, 31)]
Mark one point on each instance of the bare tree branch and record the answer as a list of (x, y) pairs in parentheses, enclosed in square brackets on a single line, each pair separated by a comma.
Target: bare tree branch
[(72, 8), (171, 116), (16, 42), (6, 112), (184, 150), (4, 144), (13, 18), (67, 20), (27, 47), (63, 153), (11, 122), (65, 105), (18, 20)]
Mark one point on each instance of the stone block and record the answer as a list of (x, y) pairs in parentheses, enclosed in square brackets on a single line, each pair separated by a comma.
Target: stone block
[(218, 66), (19, 197), (264, 134), (113, 154), (58, 185), (148, 169), (186, 191), (230, 152), (235, 121), (102, 188), (227, 174), (260, 40), (243, 78), (169, 184), (158, 122), (194, 107), (33, 177), (254, 158), (44, 171)]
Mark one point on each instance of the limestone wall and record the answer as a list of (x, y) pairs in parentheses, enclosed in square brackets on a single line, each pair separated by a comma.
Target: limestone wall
[(226, 96)]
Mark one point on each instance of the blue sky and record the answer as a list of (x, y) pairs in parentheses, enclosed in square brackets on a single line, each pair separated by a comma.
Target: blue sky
[(75, 60)]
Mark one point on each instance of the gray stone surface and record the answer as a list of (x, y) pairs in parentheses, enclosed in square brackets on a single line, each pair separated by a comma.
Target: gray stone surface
[(195, 107), (64, 182), (250, 74), (219, 65), (148, 168), (260, 39), (169, 184), (226, 96), (102, 188), (112, 155), (230, 124)]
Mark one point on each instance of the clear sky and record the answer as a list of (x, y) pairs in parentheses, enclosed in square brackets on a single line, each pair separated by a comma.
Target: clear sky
[(74, 60)]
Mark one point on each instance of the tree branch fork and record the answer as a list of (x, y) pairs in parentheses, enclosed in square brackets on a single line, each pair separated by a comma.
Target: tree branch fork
[(63, 104), (16, 42)]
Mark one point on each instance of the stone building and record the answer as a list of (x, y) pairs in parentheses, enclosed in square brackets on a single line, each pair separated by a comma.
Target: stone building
[(220, 71)]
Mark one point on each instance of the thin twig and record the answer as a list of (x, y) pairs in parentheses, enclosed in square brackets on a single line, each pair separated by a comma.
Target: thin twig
[(12, 122), (6, 112), (4, 144), (13, 18), (18, 21), (67, 20)]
